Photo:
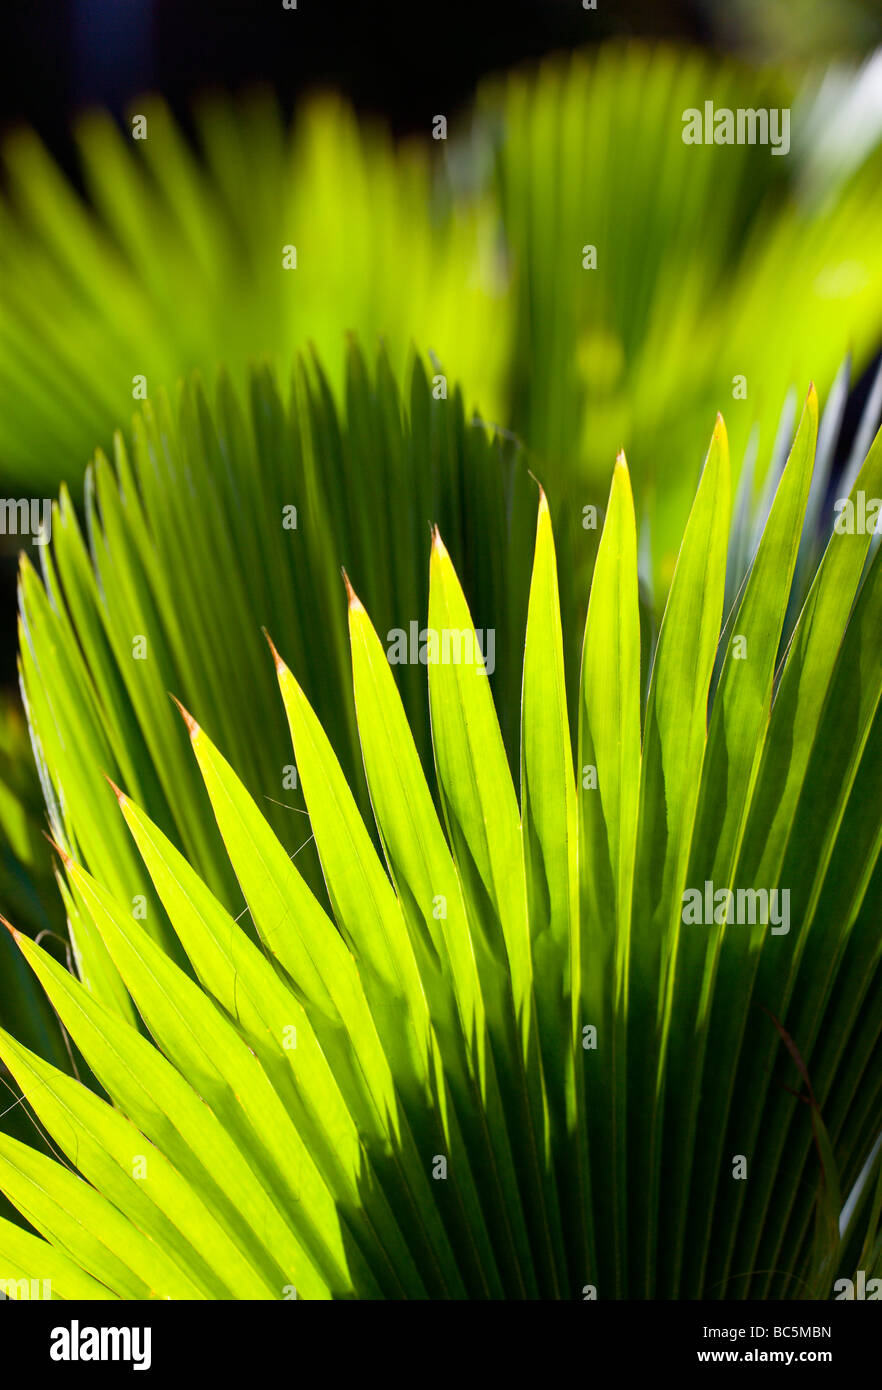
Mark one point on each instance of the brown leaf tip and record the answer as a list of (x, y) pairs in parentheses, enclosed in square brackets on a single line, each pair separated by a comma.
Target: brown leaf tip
[(120, 795), (16, 935), (280, 665), (355, 602), (192, 726), (543, 500), (62, 853)]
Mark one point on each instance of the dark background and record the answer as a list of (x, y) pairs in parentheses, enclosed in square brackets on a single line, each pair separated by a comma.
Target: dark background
[(398, 59), (401, 59)]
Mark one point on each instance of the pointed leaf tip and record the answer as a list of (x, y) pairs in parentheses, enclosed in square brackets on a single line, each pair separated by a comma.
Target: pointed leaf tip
[(280, 665), (120, 795), (16, 935), (355, 602), (192, 726), (62, 853)]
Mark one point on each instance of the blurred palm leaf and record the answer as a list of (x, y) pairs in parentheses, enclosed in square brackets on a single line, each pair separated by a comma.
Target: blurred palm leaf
[(472, 248), (287, 1124), (697, 246), (175, 261)]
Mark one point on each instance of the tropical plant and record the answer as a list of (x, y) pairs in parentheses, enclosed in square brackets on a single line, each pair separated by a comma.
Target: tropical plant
[(512, 1065)]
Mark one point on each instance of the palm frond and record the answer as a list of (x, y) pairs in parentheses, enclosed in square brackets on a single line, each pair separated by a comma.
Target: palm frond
[(215, 522), (509, 1046)]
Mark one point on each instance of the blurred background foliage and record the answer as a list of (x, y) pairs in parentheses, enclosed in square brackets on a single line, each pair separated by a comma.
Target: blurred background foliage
[(721, 281), (794, 29), (471, 247)]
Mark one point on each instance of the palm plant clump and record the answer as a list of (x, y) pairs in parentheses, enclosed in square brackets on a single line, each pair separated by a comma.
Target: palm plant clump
[(546, 963), (485, 1051)]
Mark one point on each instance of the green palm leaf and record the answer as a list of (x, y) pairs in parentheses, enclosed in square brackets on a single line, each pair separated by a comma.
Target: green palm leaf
[(508, 1062)]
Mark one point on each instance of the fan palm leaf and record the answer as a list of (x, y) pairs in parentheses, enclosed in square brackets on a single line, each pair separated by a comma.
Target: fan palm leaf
[(496, 1056)]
